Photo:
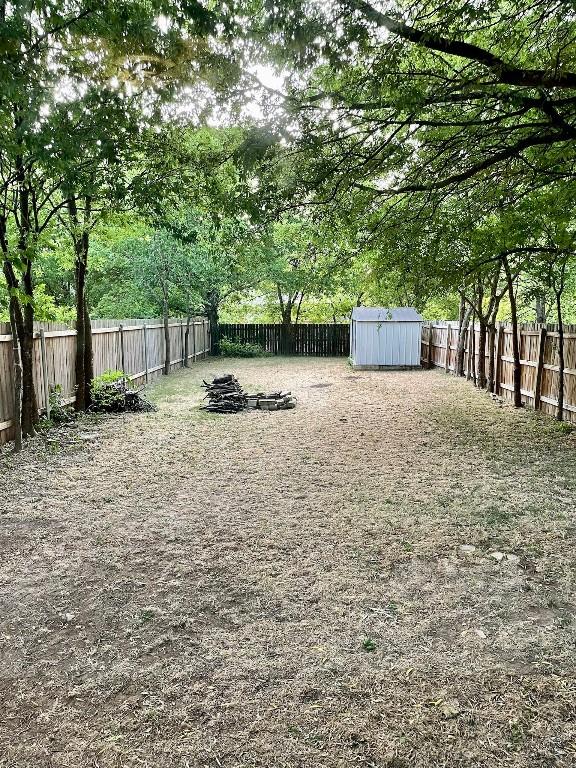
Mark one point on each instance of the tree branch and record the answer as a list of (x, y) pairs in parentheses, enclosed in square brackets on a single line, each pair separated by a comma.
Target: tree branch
[(504, 72), (473, 170)]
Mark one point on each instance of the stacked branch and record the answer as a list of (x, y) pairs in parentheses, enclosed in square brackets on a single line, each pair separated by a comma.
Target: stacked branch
[(224, 395), (273, 401)]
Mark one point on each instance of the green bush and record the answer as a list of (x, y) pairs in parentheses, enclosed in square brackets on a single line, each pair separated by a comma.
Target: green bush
[(59, 413), (109, 391), (230, 348), (112, 392)]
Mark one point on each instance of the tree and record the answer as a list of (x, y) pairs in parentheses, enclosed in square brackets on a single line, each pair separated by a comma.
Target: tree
[(427, 97), (102, 128), (223, 259), (304, 261), (159, 260), (54, 56)]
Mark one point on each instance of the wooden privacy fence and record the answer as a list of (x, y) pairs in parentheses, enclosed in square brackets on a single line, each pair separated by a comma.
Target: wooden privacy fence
[(538, 360), (134, 346), (319, 339)]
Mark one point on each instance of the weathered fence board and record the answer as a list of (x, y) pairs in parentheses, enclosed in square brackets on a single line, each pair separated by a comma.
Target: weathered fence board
[(135, 346), (315, 339), (538, 358)]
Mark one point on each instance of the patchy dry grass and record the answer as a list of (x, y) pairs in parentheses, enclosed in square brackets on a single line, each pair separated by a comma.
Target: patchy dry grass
[(290, 589)]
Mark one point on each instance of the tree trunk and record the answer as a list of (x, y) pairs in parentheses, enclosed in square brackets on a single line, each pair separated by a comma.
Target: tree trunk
[(16, 329), (461, 310), (286, 324), (472, 348), (88, 353), (481, 380), (517, 368), (82, 395), (286, 329), (17, 365), (79, 403), (288, 337), (211, 308), (187, 339), (298, 308), (461, 345), (29, 403), (29, 411), (166, 368), (83, 368), (540, 309), (491, 352), (561, 364)]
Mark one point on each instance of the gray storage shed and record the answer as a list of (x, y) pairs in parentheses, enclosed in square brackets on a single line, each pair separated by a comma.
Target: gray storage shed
[(382, 337)]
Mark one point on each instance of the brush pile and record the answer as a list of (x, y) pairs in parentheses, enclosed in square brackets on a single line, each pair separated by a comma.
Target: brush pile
[(224, 395), (112, 393)]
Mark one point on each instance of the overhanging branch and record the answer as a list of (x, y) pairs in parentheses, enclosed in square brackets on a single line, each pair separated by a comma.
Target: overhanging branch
[(473, 170), (504, 72)]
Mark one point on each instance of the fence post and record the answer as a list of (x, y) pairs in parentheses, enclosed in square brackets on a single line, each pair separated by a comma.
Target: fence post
[(182, 340), (540, 368), (447, 364), (193, 339), (44, 358), (122, 357), (146, 351), (430, 348), (207, 338)]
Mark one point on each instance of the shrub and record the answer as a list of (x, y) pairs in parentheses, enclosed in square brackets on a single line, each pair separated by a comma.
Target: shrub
[(109, 391), (108, 377), (230, 348), (59, 412)]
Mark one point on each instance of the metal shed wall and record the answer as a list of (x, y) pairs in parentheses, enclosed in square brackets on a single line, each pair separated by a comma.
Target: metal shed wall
[(379, 342)]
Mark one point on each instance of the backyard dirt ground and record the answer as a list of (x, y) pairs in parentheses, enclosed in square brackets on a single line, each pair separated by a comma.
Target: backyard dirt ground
[(383, 577)]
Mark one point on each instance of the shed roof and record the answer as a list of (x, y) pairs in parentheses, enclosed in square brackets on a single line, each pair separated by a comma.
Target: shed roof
[(387, 314)]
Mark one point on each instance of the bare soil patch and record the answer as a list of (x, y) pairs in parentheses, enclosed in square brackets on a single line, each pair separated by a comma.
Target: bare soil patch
[(309, 588)]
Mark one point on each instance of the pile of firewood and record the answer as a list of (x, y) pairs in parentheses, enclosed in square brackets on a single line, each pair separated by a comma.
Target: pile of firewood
[(273, 401), (224, 395)]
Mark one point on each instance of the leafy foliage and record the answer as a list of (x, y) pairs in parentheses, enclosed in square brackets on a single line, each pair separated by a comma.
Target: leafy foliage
[(233, 348), (60, 413), (108, 391)]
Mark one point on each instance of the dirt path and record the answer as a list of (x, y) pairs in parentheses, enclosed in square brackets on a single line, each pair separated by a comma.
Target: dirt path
[(290, 589)]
